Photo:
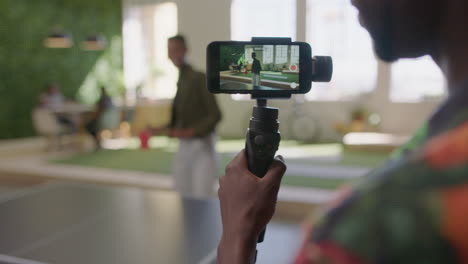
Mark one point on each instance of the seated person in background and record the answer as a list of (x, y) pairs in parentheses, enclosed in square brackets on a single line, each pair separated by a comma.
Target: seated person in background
[(104, 103), (414, 209), (53, 100), (233, 67)]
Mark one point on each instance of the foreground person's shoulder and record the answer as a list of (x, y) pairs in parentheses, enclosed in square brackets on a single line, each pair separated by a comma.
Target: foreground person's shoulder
[(409, 211)]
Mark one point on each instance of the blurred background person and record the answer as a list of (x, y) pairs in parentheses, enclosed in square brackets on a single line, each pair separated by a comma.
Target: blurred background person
[(54, 101), (195, 114), (95, 124), (52, 98)]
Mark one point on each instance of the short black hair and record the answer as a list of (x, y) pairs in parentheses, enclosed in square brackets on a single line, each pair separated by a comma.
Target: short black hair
[(179, 38), (254, 55)]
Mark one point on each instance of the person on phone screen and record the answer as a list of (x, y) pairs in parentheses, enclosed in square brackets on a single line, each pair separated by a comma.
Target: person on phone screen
[(256, 69)]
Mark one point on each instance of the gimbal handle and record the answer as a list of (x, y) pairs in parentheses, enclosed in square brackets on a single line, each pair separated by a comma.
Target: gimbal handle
[(262, 141)]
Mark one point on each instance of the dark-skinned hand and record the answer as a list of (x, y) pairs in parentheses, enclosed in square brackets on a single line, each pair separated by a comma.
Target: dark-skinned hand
[(247, 205)]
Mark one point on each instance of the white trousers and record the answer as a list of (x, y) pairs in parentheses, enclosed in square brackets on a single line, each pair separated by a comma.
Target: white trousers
[(195, 167), (256, 79)]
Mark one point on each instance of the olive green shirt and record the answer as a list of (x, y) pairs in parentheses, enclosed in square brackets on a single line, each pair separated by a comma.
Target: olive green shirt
[(194, 106)]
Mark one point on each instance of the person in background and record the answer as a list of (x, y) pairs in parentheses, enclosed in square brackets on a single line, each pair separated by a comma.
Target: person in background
[(412, 210), (53, 100), (195, 114), (93, 126), (256, 69)]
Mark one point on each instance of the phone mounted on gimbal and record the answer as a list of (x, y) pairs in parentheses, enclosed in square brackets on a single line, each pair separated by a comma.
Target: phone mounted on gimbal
[(266, 68)]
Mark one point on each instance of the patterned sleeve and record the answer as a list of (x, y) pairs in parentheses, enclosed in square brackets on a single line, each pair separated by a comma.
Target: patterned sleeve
[(413, 211)]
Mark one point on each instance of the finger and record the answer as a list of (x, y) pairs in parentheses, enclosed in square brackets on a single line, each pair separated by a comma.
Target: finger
[(234, 163), (276, 171), (239, 161), (280, 158), (242, 164), (220, 180)]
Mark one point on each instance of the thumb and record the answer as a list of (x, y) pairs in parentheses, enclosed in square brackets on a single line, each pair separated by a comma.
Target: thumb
[(276, 171)]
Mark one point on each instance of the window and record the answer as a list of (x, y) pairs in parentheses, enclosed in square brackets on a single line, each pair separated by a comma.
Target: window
[(416, 81), (294, 54), (164, 72), (135, 67), (248, 54), (281, 54), (267, 54), (263, 18), (333, 30), (149, 73)]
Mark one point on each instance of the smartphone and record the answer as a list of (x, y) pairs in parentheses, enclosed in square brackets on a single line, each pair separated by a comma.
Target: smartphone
[(269, 69)]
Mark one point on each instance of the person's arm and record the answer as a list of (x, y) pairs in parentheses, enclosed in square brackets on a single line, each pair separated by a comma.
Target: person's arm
[(160, 131), (236, 248), (181, 133), (210, 106), (247, 205), (172, 122)]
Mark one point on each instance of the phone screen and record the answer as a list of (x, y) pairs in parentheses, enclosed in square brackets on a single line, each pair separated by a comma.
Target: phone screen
[(259, 67)]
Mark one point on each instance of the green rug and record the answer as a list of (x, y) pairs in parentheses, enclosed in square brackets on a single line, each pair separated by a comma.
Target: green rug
[(159, 159)]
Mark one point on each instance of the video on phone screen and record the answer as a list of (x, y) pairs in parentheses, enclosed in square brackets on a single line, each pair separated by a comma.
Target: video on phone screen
[(259, 67)]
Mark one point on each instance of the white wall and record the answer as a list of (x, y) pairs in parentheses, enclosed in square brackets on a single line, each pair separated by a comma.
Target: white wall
[(203, 21)]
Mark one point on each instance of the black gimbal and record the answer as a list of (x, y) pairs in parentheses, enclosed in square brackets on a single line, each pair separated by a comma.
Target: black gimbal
[(263, 136)]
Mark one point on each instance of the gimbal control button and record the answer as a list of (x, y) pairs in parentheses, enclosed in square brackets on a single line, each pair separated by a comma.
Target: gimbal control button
[(259, 140)]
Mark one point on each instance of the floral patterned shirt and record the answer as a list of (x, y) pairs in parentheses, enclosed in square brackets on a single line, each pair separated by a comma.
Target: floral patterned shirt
[(414, 209)]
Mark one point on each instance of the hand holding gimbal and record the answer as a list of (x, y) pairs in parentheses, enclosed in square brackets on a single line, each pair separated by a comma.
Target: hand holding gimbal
[(291, 70)]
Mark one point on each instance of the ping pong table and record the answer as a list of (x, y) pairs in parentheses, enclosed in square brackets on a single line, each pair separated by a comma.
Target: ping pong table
[(91, 224)]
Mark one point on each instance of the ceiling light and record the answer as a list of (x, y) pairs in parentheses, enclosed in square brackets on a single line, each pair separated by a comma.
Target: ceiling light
[(58, 40), (94, 43)]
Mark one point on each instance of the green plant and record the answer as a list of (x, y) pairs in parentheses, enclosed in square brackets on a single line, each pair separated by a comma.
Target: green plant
[(28, 66), (229, 55)]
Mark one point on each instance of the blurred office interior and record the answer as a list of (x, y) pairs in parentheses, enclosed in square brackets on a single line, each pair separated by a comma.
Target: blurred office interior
[(65, 200)]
